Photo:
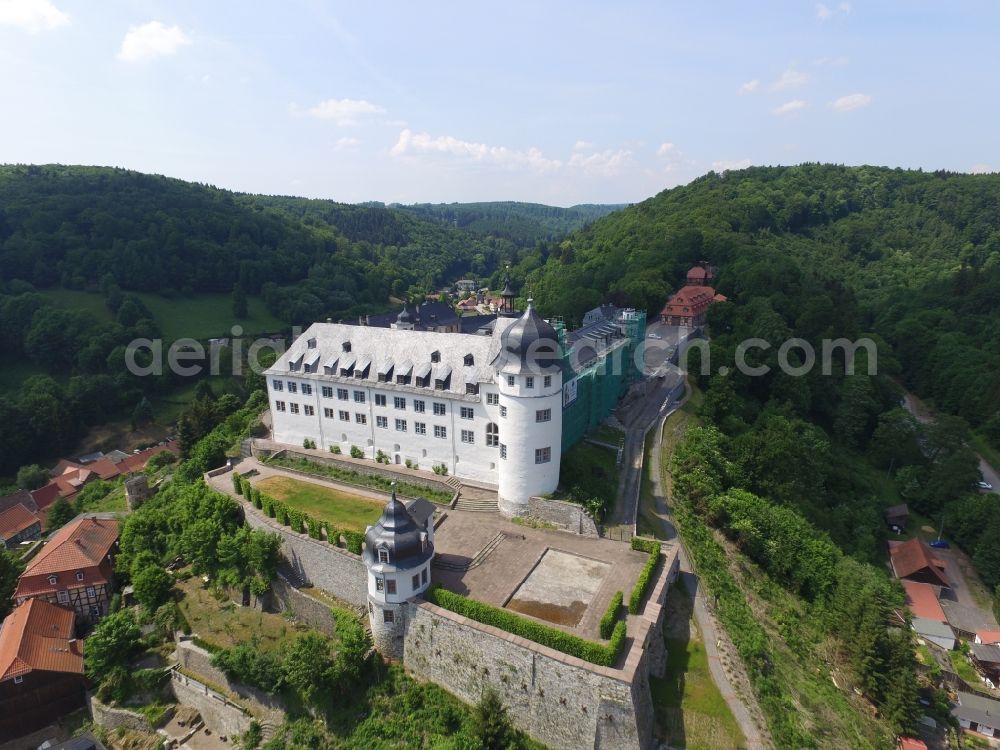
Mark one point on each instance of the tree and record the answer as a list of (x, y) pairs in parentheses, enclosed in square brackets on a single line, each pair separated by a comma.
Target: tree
[(152, 586), (239, 302), (307, 664), (32, 476), (109, 650), (490, 722), (60, 514), (142, 414), (10, 570)]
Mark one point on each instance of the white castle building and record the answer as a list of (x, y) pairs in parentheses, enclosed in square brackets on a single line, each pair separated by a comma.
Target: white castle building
[(487, 406)]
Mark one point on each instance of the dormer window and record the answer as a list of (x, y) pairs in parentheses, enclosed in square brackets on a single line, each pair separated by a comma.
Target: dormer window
[(347, 346), (52, 580), (311, 343), (79, 575), (383, 555), (469, 360), (435, 356), (472, 389)]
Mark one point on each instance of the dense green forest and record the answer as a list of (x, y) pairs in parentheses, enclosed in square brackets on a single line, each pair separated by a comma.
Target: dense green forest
[(524, 224)]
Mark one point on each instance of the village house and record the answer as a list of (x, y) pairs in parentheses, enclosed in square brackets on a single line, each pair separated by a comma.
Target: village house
[(934, 632), (922, 601), (18, 524), (897, 516), (977, 714), (74, 568), (914, 561), (41, 668), (986, 660), (688, 307)]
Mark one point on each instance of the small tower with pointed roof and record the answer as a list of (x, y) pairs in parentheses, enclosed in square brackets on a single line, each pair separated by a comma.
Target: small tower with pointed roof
[(397, 553), (507, 299)]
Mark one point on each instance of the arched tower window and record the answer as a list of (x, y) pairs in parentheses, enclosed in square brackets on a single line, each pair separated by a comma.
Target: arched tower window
[(492, 435)]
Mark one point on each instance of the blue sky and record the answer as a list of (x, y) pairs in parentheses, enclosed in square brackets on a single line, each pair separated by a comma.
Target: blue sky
[(555, 102)]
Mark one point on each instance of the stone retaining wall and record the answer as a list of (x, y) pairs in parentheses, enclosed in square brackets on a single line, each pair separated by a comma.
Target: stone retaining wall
[(566, 516), (198, 661), (330, 568), (116, 717), (219, 714), (314, 613)]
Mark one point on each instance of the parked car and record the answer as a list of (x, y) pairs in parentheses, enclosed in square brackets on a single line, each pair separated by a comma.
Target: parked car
[(984, 485), (653, 336), (940, 544)]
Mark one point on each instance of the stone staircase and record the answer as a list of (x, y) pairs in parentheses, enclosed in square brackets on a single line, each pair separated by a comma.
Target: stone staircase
[(454, 482), (267, 730), (475, 562), (246, 449), (476, 504)]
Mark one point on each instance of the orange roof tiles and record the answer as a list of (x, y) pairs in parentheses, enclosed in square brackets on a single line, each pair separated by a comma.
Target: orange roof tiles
[(697, 272), (15, 520), (923, 602), (909, 743), (39, 636), (914, 556), (988, 637), (82, 543)]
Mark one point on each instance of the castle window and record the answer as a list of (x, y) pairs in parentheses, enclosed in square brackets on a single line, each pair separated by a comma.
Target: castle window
[(399, 402), (468, 436), (388, 616), (383, 555), (492, 399), (327, 391), (359, 397), (328, 412), (469, 360), (529, 381), (543, 415), (503, 411), (423, 575), (440, 409), (402, 379), (400, 425), (293, 408), (309, 411), (420, 428), (382, 422), (510, 381), (279, 405), (416, 581), (346, 346), (379, 584), (390, 585), (342, 394), (503, 451), (543, 455), (371, 609), (360, 418), (278, 385), (292, 388), (435, 356), (419, 406), (492, 435), (468, 412), (307, 389), (345, 416), (311, 343), (547, 381), (440, 432), (471, 389), (379, 399)]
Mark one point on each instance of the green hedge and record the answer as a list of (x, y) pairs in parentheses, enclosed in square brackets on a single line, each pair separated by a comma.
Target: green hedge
[(646, 575), (354, 540), (300, 522), (365, 480), (610, 617), (596, 653)]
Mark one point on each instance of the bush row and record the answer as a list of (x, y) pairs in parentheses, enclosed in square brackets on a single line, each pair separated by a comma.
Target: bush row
[(612, 614), (351, 476), (652, 547), (596, 653), (296, 520)]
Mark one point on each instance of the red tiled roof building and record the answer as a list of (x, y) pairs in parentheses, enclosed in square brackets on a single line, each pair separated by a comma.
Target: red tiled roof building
[(18, 524), (689, 305), (41, 668), (914, 561), (74, 568)]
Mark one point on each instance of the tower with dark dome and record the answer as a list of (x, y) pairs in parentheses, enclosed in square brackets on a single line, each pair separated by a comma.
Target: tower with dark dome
[(529, 379), (397, 553)]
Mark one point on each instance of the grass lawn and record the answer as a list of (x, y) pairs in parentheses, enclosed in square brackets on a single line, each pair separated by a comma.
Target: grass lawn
[(222, 623), (200, 317), (647, 522), (689, 709), (168, 407), (592, 469), (960, 664), (113, 502), (341, 509), (607, 434)]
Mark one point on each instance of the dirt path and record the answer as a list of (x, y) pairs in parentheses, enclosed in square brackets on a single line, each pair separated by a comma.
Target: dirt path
[(723, 661)]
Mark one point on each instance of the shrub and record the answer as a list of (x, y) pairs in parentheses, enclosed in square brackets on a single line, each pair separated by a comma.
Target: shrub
[(351, 476), (440, 469), (237, 483), (257, 500), (308, 443), (382, 457), (267, 505), (315, 530), (610, 617), (409, 463), (354, 540), (356, 452), (645, 575), (335, 449), (595, 653), (281, 514)]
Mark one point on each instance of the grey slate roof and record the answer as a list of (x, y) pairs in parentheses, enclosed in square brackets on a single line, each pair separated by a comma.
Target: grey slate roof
[(932, 628), (986, 653), (531, 345), (972, 707), (961, 617), (399, 533), (421, 510)]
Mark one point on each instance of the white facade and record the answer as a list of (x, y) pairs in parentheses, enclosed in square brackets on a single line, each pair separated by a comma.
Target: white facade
[(425, 397)]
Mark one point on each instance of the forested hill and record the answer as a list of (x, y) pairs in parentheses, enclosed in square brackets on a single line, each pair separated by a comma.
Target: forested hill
[(913, 256), (75, 226), (524, 224)]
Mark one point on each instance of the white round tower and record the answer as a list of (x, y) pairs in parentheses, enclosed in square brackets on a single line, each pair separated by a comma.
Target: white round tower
[(397, 553), (529, 378)]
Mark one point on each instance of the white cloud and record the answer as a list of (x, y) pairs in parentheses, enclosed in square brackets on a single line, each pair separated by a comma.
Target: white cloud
[(844, 8), (823, 13), (150, 41), (583, 146), (344, 111), (982, 169), (851, 101), (411, 143), (666, 149), (31, 15), (725, 165), (788, 107), (791, 78), (608, 162), (346, 143), (750, 86)]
